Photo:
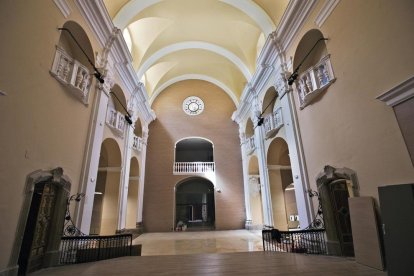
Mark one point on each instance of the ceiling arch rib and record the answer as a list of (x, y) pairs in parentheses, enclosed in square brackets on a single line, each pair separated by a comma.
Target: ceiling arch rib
[(249, 7), (255, 12), (194, 45), (194, 77)]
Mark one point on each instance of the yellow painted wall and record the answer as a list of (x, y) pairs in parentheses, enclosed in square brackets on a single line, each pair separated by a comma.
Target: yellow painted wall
[(43, 126), (370, 43)]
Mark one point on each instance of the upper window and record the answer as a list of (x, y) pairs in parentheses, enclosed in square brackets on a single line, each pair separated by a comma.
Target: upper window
[(193, 105)]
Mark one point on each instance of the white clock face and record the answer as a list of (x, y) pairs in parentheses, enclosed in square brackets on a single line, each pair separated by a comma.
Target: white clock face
[(193, 105)]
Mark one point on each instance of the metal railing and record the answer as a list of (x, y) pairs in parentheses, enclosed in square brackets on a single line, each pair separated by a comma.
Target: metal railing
[(81, 249), (303, 241), (193, 167)]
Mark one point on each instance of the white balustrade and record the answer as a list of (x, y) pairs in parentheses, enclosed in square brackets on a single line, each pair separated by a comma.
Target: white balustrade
[(72, 73), (193, 167), (137, 143), (250, 145), (116, 121), (273, 122), (314, 80)]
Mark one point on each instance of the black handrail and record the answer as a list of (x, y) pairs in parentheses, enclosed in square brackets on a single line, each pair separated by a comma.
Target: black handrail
[(302, 241), (81, 249)]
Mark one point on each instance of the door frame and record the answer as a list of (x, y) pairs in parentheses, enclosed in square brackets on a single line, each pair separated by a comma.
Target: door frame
[(63, 184)]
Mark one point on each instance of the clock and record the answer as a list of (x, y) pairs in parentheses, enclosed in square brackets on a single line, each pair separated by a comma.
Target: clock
[(193, 105)]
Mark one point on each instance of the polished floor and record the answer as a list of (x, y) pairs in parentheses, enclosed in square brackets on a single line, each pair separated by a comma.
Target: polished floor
[(180, 243), (213, 253)]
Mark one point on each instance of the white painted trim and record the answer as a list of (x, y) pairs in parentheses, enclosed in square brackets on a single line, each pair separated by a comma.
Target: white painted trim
[(250, 8), (212, 80), (325, 11), (399, 93), (194, 45), (63, 7), (292, 20), (255, 12)]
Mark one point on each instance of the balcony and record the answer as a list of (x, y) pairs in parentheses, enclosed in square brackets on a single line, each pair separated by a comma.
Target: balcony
[(273, 122), (193, 167), (116, 121), (137, 143), (314, 81), (250, 145), (70, 72)]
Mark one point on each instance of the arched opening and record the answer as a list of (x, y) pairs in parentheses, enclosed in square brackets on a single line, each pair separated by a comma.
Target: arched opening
[(71, 66), (194, 205), (41, 221), (249, 131), (194, 155), (105, 205), (138, 128), (255, 194), (115, 116), (269, 101), (315, 73), (132, 202), (282, 189)]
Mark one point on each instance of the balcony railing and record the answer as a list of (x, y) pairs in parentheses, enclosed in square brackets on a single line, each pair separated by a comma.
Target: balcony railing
[(72, 73), (137, 143), (314, 80), (81, 249), (250, 145), (193, 167), (116, 121), (273, 122), (303, 241)]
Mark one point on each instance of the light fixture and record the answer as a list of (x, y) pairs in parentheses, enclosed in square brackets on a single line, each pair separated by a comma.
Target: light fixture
[(98, 193)]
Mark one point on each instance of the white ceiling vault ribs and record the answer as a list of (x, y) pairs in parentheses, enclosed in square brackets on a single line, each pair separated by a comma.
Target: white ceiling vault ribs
[(131, 8), (212, 80), (165, 33), (194, 45)]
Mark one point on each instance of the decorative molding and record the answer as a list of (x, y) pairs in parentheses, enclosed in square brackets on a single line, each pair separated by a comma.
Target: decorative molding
[(293, 19), (325, 11), (63, 7), (399, 93)]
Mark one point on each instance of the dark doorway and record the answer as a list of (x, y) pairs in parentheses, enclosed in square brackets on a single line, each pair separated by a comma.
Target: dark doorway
[(36, 233), (195, 205)]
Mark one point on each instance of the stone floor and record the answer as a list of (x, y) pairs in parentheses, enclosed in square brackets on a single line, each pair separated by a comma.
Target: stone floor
[(213, 253), (179, 243)]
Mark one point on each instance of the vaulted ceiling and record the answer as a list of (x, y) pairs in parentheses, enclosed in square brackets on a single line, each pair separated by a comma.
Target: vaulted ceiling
[(213, 40)]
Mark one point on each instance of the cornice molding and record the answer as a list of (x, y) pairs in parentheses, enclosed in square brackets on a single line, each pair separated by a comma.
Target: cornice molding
[(399, 93), (98, 18), (63, 7), (292, 20), (325, 11)]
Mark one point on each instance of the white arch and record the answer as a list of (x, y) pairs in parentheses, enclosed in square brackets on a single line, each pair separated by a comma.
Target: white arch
[(250, 8), (255, 12), (194, 45), (194, 77)]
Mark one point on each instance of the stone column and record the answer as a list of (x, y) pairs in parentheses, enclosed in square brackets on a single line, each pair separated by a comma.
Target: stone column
[(264, 176), (297, 160), (142, 177), (93, 151), (124, 179), (242, 136)]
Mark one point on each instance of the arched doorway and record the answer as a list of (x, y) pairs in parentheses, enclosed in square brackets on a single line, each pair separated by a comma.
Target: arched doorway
[(132, 203), (194, 205), (105, 210), (41, 221), (282, 190), (255, 194)]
